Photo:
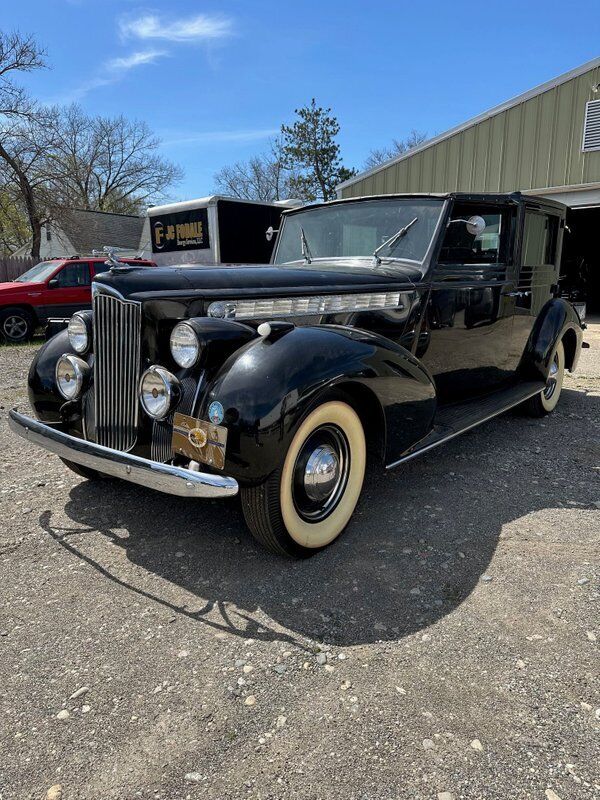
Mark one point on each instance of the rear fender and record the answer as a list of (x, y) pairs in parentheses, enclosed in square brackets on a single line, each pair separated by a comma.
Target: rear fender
[(557, 320), (268, 386)]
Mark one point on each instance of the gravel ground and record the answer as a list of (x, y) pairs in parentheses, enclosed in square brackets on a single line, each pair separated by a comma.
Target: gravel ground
[(445, 647)]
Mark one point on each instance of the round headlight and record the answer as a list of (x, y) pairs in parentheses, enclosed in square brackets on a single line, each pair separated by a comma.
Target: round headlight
[(159, 390), (70, 373), (185, 347), (78, 334)]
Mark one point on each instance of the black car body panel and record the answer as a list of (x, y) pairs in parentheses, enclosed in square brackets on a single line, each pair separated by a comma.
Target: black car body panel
[(188, 284), (292, 373), (557, 320)]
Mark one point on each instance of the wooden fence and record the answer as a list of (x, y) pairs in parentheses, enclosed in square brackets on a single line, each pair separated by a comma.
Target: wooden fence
[(13, 266)]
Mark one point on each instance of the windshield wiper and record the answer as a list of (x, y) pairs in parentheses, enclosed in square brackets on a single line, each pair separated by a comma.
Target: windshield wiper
[(307, 255), (393, 239)]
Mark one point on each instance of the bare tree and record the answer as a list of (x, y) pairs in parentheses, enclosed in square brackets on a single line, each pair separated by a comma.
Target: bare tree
[(18, 53), (19, 116), (262, 177), (108, 164), (14, 228), (397, 148), (56, 158)]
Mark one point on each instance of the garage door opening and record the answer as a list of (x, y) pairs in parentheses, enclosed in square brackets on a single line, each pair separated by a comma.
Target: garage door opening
[(580, 268)]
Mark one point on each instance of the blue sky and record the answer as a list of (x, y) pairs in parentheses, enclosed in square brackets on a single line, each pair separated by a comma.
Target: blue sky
[(216, 79)]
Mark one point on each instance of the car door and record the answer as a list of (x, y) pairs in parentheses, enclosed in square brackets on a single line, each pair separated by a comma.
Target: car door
[(69, 290), (538, 271), (471, 304)]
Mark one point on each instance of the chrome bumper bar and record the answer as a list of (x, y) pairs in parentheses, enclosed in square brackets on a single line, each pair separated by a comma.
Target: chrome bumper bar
[(152, 474)]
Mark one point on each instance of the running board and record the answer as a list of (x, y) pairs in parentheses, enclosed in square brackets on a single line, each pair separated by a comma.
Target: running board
[(451, 421)]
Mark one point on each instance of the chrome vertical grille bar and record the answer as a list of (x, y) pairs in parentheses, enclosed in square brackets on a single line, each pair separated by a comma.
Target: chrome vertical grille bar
[(117, 336)]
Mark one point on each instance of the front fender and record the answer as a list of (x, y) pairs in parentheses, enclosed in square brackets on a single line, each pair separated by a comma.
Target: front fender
[(43, 394), (556, 319), (267, 387)]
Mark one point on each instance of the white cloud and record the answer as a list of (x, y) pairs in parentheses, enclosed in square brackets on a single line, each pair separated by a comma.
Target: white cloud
[(201, 27), (218, 137), (111, 72), (134, 60)]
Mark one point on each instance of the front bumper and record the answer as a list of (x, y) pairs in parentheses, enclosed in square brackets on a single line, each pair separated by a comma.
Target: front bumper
[(152, 474)]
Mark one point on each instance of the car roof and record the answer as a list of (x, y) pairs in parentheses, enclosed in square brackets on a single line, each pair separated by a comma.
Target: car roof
[(482, 197)]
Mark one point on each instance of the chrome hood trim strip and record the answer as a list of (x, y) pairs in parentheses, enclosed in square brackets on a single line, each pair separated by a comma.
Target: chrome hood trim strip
[(269, 308)]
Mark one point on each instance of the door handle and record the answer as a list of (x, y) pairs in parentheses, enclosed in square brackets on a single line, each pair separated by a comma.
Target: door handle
[(516, 294)]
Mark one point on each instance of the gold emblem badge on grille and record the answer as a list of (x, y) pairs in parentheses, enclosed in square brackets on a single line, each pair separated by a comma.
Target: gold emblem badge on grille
[(199, 440), (198, 437)]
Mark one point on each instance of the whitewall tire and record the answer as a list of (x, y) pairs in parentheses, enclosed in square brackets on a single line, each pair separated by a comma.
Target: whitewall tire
[(546, 401), (306, 504)]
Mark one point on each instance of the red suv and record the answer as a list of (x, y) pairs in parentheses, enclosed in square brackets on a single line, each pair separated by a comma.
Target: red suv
[(54, 288)]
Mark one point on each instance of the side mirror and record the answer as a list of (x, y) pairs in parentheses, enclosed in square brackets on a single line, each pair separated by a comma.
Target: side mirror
[(271, 232), (53, 283), (476, 225)]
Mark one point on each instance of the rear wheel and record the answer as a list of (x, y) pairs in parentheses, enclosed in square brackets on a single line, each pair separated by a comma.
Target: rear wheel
[(306, 503), (16, 325), (546, 401)]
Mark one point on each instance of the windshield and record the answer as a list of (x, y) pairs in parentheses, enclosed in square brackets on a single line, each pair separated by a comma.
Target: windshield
[(356, 230), (40, 272)]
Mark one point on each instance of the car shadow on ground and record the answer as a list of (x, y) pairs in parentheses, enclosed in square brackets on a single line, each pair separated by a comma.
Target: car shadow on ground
[(419, 542)]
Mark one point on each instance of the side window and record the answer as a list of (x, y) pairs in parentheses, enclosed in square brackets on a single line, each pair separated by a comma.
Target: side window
[(72, 275), (539, 239), (463, 246)]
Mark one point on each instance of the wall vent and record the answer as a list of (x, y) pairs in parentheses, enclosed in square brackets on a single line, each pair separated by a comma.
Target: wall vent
[(591, 126)]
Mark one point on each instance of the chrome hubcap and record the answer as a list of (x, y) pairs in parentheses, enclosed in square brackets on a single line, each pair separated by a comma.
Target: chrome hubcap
[(15, 327), (321, 473), (552, 379)]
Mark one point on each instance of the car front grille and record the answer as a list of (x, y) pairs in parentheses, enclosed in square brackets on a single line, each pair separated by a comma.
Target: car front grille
[(162, 430), (117, 334)]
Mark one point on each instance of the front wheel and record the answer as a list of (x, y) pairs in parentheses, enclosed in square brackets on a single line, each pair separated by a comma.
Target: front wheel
[(546, 401), (306, 503), (16, 325)]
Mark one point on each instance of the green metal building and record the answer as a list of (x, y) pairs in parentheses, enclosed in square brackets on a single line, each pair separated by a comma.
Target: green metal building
[(543, 142)]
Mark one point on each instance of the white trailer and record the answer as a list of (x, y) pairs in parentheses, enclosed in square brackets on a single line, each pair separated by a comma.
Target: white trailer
[(212, 230)]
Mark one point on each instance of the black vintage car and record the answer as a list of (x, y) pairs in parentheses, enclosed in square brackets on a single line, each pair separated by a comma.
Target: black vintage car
[(389, 324)]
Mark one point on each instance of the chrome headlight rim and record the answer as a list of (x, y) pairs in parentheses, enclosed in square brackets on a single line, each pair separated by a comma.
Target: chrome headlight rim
[(83, 345), (185, 329), (172, 389), (80, 371)]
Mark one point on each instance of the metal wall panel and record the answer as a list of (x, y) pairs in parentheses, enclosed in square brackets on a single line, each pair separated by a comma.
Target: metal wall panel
[(533, 145)]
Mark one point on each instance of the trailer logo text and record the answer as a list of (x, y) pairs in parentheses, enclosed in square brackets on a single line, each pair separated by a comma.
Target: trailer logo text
[(184, 230)]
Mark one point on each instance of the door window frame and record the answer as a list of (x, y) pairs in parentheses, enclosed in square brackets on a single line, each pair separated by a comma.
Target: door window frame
[(445, 269), (543, 212), (68, 264)]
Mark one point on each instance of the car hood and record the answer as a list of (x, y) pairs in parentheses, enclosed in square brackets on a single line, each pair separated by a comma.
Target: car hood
[(268, 280), (14, 287)]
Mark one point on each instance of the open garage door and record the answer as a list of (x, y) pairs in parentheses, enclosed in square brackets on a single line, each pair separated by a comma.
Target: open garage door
[(581, 257)]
